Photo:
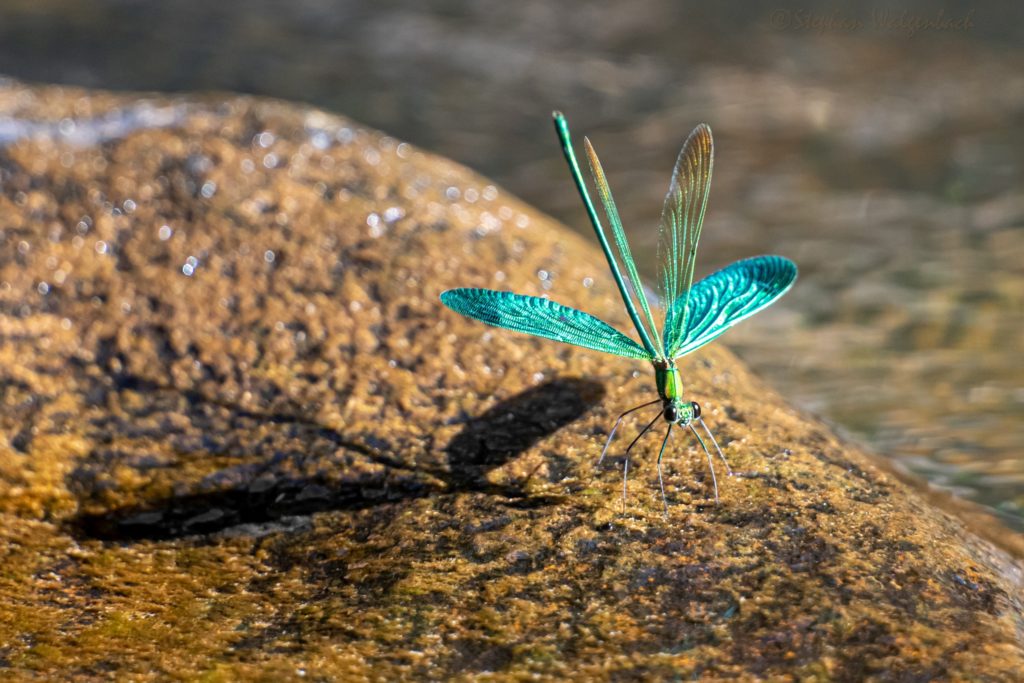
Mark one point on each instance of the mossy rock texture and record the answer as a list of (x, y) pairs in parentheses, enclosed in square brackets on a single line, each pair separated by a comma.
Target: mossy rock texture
[(242, 439)]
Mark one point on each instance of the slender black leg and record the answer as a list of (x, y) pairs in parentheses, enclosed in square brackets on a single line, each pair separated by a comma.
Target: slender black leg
[(661, 481), (625, 466), (618, 422), (717, 447), (711, 465)]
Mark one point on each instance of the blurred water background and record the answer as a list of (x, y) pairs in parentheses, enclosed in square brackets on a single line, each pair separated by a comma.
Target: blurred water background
[(880, 145)]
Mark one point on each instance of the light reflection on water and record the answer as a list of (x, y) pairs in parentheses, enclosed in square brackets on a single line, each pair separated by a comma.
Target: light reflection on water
[(889, 167)]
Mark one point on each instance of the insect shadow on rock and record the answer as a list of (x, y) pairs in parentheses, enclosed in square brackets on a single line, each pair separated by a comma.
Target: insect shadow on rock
[(284, 493), (514, 425), (275, 477), (692, 314)]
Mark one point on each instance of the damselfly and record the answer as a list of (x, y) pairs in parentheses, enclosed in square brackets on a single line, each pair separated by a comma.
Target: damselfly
[(692, 314)]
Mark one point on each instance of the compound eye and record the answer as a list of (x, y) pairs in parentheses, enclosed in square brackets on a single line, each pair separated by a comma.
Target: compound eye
[(696, 409), (670, 414)]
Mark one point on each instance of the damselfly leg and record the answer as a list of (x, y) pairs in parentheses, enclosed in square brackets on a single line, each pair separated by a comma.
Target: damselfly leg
[(625, 465), (717, 447), (608, 442), (711, 465), (661, 481)]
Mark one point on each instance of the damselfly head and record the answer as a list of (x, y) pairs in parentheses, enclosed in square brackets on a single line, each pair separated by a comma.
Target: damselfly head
[(680, 412)]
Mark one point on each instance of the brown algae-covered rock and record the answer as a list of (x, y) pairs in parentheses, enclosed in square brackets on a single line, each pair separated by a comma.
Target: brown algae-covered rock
[(241, 438)]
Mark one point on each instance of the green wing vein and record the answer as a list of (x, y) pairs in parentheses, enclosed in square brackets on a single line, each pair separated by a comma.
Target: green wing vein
[(542, 318), (681, 220), (724, 298), (625, 254)]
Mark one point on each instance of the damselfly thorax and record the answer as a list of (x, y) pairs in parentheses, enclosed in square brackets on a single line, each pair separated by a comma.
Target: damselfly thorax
[(670, 390)]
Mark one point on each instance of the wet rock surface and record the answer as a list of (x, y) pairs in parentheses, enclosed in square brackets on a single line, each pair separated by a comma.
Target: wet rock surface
[(241, 437)]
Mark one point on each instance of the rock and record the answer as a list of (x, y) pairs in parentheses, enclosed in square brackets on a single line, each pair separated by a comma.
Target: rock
[(241, 438)]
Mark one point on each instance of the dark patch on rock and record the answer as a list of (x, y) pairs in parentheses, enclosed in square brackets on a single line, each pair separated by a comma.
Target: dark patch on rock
[(515, 424)]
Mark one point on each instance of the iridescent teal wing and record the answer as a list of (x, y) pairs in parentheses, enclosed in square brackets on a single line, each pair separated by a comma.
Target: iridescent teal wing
[(681, 219), (541, 318), (625, 255), (724, 298)]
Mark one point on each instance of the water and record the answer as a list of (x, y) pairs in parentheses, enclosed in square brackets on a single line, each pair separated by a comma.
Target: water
[(881, 148)]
